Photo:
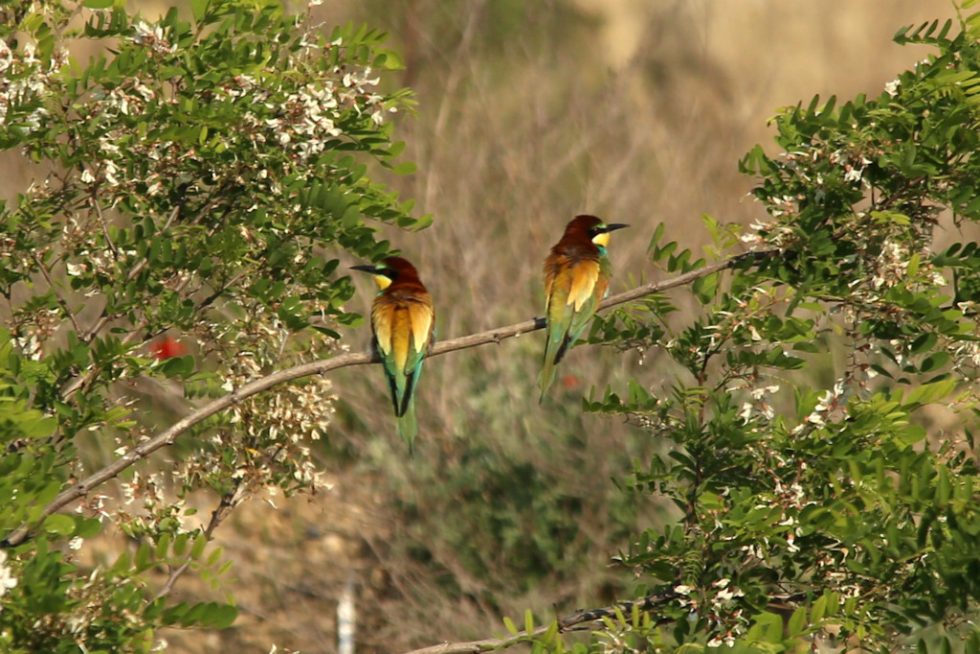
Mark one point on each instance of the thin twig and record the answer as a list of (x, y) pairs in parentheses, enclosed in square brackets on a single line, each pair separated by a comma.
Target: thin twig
[(228, 502), (568, 623), (61, 301), (169, 435), (105, 229), (133, 272)]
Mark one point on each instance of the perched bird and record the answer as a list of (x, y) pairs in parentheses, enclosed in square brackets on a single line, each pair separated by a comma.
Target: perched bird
[(402, 321), (576, 277)]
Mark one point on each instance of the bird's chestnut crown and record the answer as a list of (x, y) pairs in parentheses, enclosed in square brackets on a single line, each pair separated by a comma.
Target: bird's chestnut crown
[(596, 230), (386, 272)]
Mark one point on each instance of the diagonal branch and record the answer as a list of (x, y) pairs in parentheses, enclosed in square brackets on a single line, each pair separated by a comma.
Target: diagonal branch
[(169, 435), (567, 623)]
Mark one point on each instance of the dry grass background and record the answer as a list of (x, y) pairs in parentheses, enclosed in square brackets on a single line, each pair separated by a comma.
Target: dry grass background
[(529, 112)]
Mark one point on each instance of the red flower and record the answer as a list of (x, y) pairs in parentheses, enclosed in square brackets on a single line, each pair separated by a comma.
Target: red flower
[(167, 347)]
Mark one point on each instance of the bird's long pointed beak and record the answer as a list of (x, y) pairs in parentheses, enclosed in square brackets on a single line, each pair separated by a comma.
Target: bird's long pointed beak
[(613, 227), (365, 268)]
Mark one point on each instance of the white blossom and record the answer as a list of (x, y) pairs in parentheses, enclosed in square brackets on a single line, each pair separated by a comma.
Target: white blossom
[(30, 54), (853, 174), (110, 173), (151, 36), (6, 56), (7, 579), (759, 393)]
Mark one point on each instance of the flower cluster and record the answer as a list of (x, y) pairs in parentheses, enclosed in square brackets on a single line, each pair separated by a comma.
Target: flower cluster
[(25, 80), (7, 578), (270, 434), (718, 603)]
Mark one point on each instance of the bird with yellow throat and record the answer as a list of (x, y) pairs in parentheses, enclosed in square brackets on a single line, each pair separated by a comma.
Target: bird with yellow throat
[(576, 278), (402, 321)]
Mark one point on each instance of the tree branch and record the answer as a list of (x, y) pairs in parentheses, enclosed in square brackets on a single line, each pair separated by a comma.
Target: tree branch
[(786, 603), (169, 435), (564, 624)]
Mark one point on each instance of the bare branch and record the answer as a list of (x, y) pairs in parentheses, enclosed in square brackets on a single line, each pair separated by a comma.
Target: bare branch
[(169, 435), (568, 623)]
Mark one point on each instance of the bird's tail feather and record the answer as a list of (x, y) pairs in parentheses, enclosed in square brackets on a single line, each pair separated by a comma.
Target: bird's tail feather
[(546, 379), (408, 426), (554, 349), (547, 375)]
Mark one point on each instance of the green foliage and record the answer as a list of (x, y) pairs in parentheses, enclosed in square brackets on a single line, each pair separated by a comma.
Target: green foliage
[(839, 513), (199, 177)]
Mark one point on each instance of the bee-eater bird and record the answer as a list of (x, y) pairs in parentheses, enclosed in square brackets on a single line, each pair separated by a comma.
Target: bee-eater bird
[(576, 278), (402, 321)]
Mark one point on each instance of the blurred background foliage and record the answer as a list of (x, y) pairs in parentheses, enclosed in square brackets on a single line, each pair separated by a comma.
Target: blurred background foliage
[(528, 112)]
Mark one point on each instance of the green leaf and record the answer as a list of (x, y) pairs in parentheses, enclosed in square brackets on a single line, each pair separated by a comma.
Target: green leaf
[(214, 616), (87, 527), (818, 610), (510, 626), (934, 361), (144, 556), (199, 8), (60, 524), (924, 342), (658, 234), (163, 546), (706, 287), (404, 168), (973, 642), (913, 267), (768, 627), (796, 622), (97, 4), (178, 367), (928, 393)]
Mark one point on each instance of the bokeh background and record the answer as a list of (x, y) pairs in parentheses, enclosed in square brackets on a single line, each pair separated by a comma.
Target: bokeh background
[(529, 111)]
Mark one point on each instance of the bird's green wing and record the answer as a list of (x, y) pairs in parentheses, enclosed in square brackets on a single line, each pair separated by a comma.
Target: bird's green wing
[(417, 321), (571, 304)]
